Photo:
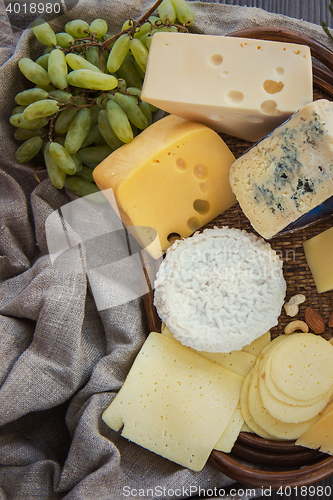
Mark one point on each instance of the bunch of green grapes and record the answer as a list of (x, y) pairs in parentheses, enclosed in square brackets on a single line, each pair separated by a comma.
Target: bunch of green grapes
[(87, 96)]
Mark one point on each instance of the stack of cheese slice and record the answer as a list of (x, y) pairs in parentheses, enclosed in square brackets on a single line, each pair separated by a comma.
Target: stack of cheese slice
[(180, 404), (289, 386)]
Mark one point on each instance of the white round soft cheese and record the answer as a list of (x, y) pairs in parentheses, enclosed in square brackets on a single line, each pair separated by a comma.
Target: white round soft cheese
[(220, 290)]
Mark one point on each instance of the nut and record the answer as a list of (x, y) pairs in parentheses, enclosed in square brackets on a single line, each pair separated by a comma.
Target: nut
[(314, 320), (291, 307), (330, 321), (296, 326)]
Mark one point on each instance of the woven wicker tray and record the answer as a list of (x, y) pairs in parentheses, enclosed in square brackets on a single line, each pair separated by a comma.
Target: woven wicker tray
[(255, 461)]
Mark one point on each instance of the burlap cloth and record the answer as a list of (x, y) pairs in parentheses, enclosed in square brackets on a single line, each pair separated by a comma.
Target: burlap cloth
[(61, 360)]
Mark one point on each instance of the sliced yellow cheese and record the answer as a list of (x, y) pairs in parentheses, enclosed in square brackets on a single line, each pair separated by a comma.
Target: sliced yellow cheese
[(242, 87), (320, 435), (239, 362), (258, 344), (174, 402), (319, 256), (171, 179), (231, 432)]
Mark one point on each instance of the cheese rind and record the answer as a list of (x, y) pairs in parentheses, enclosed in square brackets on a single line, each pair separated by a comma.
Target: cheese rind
[(173, 177), (319, 255), (174, 402), (242, 87), (289, 173)]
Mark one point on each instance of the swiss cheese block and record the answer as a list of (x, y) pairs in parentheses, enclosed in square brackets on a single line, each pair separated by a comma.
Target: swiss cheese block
[(280, 181), (174, 402), (173, 177), (239, 86), (319, 256)]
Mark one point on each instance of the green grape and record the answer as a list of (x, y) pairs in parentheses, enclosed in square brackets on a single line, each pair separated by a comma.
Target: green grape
[(94, 113), (163, 29), (146, 27), (145, 108), (121, 84), (41, 109), (29, 96), (57, 175), (139, 70), (43, 32), (128, 73), (78, 130), (105, 55), (48, 50), (61, 95), (22, 134), (77, 28), (43, 61), (29, 149), (33, 71), (135, 130), (118, 121), (81, 187), (18, 109), (57, 69), (140, 53), (87, 79), (94, 154), (47, 88), (77, 161), (118, 52), (106, 131), (64, 40), (62, 158), (93, 136), (167, 12), (90, 164), (130, 58), (101, 101), (85, 173), (78, 62), (19, 121), (134, 91), (60, 140), (98, 27), (92, 56), (127, 24), (64, 119), (184, 12), (130, 105)]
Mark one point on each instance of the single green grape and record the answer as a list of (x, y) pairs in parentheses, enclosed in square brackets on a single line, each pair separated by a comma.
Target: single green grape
[(118, 52), (64, 40), (19, 121), (61, 95), (93, 136), (92, 56), (41, 109), (146, 27), (130, 105), (94, 113), (94, 154), (118, 121), (18, 109), (77, 28), (81, 187), (77, 161), (64, 119), (43, 32), (43, 61), (62, 158), (29, 96), (57, 69), (121, 84), (98, 27), (78, 130), (140, 53), (128, 73), (33, 72), (184, 11), (78, 62), (139, 70), (29, 149), (56, 175), (106, 131), (146, 110), (86, 174), (87, 79), (22, 134), (167, 12)]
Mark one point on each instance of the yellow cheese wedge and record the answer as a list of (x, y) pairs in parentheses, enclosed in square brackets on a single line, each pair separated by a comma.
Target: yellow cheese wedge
[(242, 87), (173, 177), (319, 256), (320, 435), (231, 432), (239, 362), (174, 402)]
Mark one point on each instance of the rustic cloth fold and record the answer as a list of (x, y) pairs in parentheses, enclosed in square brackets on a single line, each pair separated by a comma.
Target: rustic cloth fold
[(63, 359)]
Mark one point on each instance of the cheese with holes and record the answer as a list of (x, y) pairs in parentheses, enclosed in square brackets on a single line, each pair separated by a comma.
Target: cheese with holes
[(173, 177), (174, 402), (231, 432), (286, 180), (319, 256), (239, 86)]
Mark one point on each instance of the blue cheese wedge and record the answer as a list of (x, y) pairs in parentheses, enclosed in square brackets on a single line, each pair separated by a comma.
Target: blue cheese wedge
[(285, 181)]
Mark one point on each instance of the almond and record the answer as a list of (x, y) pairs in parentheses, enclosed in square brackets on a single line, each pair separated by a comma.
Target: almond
[(330, 321), (314, 320)]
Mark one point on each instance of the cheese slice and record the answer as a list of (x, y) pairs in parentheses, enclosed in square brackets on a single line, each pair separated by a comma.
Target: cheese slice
[(239, 86), (174, 402), (258, 344), (173, 178), (320, 435), (286, 180), (231, 432), (319, 256)]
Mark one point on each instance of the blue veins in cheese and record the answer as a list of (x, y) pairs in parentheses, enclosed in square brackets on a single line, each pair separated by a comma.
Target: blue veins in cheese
[(239, 86), (285, 181)]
